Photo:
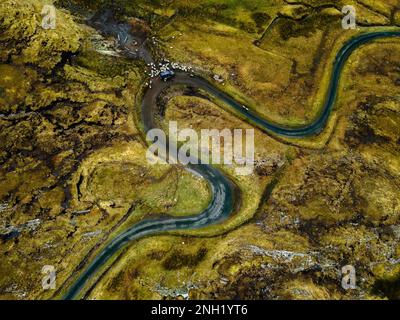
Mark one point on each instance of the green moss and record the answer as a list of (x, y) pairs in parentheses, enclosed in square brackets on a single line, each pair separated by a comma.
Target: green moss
[(177, 259), (15, 82), (292, 29), (27, 42), (104, 65), (388, 288), (69, 163)]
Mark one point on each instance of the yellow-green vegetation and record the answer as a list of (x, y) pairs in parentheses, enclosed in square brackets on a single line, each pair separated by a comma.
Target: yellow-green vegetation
[(251, 15), (198, 113), (281, 74), (14, 84), (119, 176), (329, 207), (73, 171), (25, 41), (176, 267)]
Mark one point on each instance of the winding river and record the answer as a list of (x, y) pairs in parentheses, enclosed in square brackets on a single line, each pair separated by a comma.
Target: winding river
[(223, 190)]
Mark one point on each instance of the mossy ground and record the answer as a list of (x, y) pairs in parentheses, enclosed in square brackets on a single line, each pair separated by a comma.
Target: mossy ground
[(71, 154), (329, 208)]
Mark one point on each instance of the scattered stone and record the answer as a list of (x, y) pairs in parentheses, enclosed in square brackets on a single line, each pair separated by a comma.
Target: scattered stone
[(92, 234), (218, 78)]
